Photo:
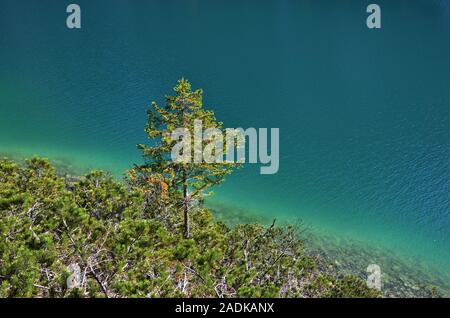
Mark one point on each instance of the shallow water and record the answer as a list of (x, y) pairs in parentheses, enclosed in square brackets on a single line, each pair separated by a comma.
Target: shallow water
[(364, 115)]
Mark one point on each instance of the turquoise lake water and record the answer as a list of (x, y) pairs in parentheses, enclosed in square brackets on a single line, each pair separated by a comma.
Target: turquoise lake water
[(364, 115)]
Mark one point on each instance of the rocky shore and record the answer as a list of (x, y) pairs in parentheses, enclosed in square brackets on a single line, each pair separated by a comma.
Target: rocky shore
[(400, 278)]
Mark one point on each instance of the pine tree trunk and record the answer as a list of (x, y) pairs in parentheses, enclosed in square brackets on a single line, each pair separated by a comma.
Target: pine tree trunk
[(187, 233), (186, 207)]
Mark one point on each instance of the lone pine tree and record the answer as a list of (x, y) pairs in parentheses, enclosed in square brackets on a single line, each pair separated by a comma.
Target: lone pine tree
[(188, 180)]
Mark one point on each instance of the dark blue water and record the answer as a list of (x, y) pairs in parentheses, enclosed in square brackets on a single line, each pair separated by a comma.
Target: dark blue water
[(364, 115)]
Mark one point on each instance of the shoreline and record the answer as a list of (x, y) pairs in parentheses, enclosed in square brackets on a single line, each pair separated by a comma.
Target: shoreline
[(401, 277), (336, 255)]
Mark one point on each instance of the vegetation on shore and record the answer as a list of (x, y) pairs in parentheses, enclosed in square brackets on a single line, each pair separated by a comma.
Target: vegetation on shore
[(150, 236)]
